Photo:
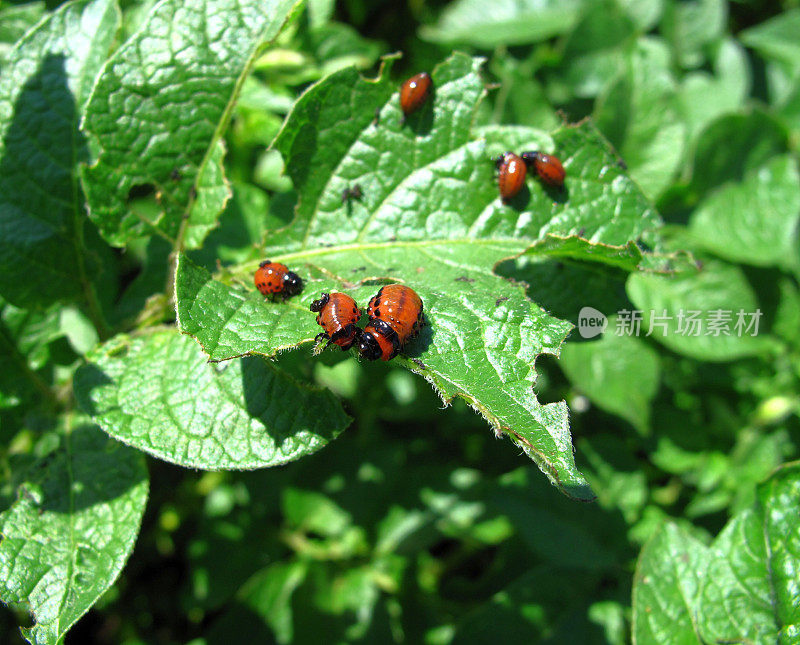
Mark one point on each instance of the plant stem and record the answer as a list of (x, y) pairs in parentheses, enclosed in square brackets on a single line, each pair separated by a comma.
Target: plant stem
[(43, 388)]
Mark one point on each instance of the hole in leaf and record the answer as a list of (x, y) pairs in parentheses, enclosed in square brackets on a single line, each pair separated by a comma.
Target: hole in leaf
[(140, 191)]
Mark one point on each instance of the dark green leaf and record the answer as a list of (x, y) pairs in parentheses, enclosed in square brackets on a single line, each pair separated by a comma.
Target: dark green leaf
[(72, 528), (645, 13), (43, 86), (596, 50), (578, 248), (740, 589), (787, 315), (25, 337), (703, 97), (691, 26), (173, 85), (269, 594), (157, 393)]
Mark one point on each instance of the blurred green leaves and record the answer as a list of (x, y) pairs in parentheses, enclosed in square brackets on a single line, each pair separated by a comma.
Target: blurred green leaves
[(754, 221), (679, 312), (640, 114), (504, 22), (618, 373)]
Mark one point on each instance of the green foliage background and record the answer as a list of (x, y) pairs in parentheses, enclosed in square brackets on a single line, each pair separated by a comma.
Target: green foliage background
[(223, 482)]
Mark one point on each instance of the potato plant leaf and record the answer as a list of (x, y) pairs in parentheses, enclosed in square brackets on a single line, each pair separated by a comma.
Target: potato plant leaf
[(711, 314), (740, 589), (173, 84), (158, 393), (71, 529), (429, 216), (504, 22), (755, 221), (43, 86)]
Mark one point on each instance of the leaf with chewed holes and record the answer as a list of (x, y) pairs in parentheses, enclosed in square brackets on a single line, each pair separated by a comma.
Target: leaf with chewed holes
[(429, 216)]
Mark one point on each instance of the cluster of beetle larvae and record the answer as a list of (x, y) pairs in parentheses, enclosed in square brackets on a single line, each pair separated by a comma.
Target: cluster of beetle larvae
[(395, 312)]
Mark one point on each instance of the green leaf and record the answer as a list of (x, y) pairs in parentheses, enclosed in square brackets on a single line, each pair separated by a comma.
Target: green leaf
[(639, 115), (43, 85), (314, 512), (702, 97), (619, 374), (25, 338), (30, 331), (432, 218), (578, 248), (680, 312), (521, 98), (787, 314), (455, 363), (269, 594), (789, 106), (743, 588), (666, 585), (503, 22), (733, 145), (173, 86), (595, 51), (336, 45), (15, 20), (750, 591), (73, 526), (241, 228), (156, 392), (776, 38), (690, 26), (645, 13), (755, 221)]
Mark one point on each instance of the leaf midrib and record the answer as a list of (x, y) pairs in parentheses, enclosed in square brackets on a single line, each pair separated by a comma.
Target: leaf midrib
[(511, 243), (222, 124)]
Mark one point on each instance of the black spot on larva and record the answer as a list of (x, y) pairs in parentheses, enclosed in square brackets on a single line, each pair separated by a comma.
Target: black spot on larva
[(377, 313)]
